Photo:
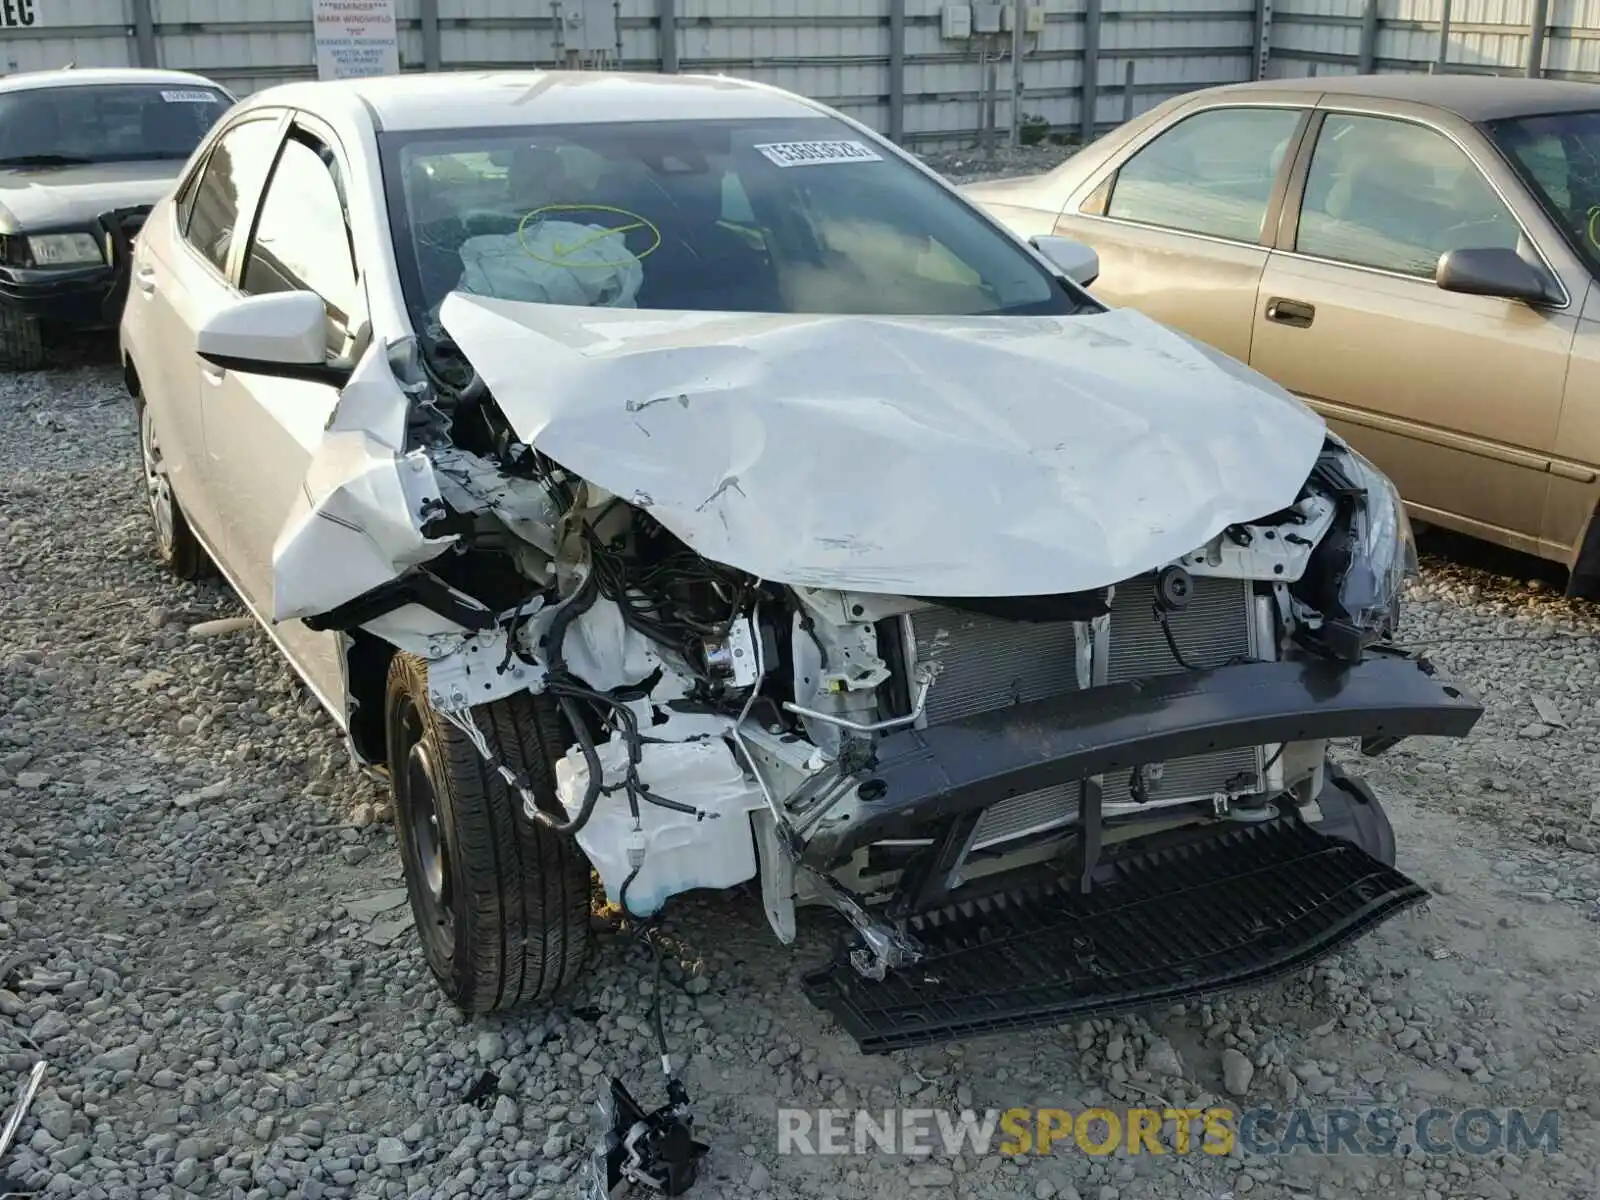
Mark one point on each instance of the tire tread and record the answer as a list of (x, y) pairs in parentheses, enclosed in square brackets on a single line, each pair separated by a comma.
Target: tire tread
[(21, 341), (522, 921)]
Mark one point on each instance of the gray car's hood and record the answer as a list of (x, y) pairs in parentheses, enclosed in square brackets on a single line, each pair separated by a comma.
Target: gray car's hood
[(49, 197), (931, 456)]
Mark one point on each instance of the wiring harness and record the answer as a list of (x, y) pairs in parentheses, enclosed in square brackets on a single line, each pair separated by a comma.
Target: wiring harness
[(655, 594)]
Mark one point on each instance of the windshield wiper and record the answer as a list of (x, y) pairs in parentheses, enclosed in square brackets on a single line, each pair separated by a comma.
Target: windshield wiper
[(44, 160)]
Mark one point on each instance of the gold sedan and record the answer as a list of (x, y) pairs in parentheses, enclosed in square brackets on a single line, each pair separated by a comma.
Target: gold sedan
[(1415, 256)]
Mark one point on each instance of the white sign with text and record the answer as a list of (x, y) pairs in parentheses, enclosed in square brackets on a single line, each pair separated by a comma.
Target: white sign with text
[(355, 38)]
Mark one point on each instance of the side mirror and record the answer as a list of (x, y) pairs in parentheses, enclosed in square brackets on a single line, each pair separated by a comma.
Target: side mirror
[(281, 334), (1492, 272), (1072, 258)]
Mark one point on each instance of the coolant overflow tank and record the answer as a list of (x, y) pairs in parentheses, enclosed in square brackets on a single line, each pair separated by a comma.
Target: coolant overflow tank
[(714, 849)]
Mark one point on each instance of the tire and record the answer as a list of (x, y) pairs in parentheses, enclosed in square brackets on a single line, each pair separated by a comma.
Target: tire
[(501, 903), (177, 547), (21, 341)]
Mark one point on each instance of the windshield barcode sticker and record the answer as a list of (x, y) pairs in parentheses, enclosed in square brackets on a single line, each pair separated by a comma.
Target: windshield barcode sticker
[(813, 154), (188, 97)]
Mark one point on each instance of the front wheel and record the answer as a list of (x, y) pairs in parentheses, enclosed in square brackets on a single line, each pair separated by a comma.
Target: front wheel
[(21, 341), (179, 550), (501, 902)]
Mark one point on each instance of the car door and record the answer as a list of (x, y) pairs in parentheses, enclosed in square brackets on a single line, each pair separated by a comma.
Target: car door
[(1573, 472), (1181, 219), (179, 279), (262, 431), (1456, 397)]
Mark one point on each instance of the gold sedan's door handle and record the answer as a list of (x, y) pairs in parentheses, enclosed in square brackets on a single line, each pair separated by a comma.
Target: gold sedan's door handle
[(1295, 313)]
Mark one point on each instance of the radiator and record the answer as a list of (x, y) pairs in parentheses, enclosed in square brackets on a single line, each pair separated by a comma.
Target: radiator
[(988, 663)]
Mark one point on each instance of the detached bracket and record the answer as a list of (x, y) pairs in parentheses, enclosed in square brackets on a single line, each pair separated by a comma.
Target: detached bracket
[(655, 1150)]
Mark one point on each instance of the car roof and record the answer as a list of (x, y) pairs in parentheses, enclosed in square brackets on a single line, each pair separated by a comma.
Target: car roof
[(84, 77), (468, 99), (1473, 97)]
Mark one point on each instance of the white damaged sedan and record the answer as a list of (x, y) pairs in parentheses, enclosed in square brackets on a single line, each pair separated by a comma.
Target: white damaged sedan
[(668, 478)]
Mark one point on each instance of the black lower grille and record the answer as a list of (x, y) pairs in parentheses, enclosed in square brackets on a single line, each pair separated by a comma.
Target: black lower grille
[(1168, 924)]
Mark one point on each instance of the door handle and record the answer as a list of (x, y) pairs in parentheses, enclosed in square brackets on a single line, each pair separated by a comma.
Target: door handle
[(1296, 313), (145, 278)]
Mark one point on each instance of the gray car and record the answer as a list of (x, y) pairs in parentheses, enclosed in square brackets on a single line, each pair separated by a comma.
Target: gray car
[(83, 156)]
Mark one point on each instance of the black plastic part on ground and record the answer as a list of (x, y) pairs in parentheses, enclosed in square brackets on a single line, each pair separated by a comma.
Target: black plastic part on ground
[(660, 1145), (1168, 920)]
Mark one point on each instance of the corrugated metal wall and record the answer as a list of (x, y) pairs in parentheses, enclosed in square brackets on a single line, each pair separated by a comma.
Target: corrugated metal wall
[(1332, 37), (92, 33), (1093, 64)]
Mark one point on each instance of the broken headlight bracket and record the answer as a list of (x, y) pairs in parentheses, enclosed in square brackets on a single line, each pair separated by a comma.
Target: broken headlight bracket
[(480, 668), (416, 587), (884, 947), (653, 1150)]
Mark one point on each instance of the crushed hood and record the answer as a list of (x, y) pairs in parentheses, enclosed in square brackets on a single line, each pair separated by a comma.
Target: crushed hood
[(928, 456)]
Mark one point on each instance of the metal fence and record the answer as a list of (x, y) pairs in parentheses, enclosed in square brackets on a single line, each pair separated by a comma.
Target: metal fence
[(926, 72), (1558, 39)]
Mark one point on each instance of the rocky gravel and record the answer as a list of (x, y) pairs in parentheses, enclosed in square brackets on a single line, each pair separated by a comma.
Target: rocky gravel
[(202, 931), (972, 164)]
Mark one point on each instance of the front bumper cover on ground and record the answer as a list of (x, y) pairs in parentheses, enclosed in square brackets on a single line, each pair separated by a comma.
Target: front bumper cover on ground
[(924, 777)]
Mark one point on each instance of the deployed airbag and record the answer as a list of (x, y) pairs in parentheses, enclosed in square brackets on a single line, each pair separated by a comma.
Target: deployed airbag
[(553, 262)]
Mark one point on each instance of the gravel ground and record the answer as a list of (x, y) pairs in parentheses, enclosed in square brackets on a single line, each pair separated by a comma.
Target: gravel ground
[(201, 930), (971, 165)]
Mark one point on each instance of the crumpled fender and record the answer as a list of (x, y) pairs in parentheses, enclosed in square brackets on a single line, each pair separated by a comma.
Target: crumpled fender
[(358, 522)]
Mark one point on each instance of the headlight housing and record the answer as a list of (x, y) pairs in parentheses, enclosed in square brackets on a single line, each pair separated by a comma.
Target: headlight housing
[(65, 249), (1359, 569), (1384, 550)]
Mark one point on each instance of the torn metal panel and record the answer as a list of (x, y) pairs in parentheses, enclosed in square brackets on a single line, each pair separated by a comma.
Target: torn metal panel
[(359, 519), (418, 631), (469, 483), (926, 456)]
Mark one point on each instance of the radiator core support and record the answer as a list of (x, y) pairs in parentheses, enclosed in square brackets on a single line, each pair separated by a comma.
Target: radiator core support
[(987, 663)]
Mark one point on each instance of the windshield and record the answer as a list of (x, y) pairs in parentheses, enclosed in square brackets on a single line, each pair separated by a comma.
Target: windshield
[(787, 216), (93, 123), (1559, 157)]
